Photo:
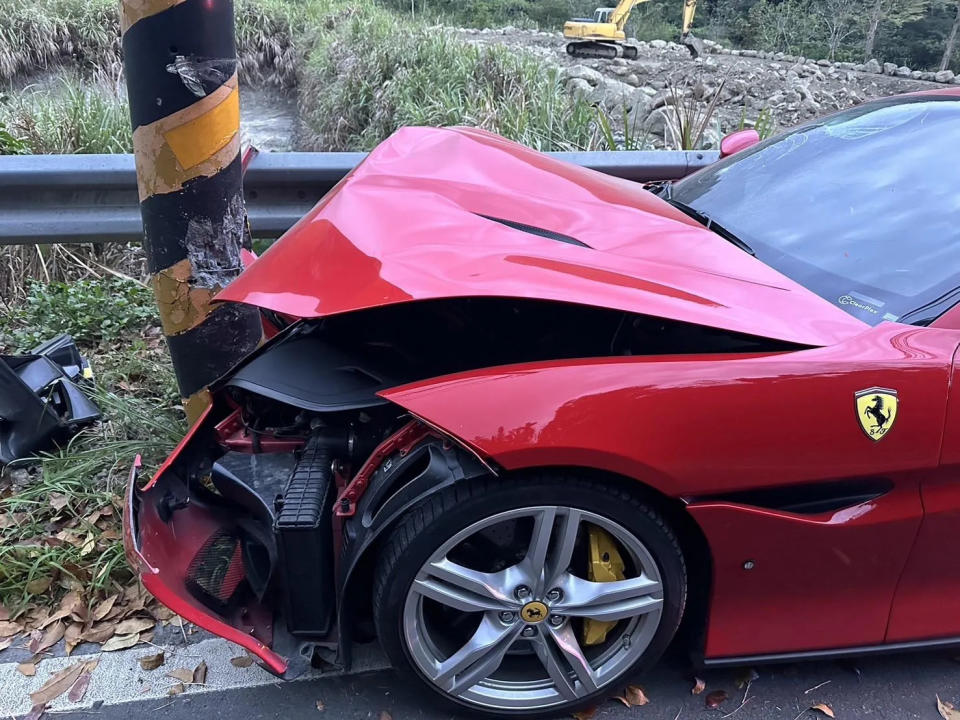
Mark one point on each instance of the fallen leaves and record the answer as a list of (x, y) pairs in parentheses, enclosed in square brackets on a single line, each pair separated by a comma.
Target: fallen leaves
[(633, 696), (320, 706), (71, 606), (73, 539), (121, 642), (104, 608), (27, 669), (243, 661), (61, 682), (8, 628), (38, 586), (698, 686), (715, 699), (585, 714), (823, 708), (200, 673), (43, 641), (184, 675), (72, 636), (79, 688), (152, 662), (135, 625), (947, 710)]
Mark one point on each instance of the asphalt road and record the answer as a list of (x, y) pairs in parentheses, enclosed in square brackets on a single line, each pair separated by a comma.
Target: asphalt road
[(899, 687)]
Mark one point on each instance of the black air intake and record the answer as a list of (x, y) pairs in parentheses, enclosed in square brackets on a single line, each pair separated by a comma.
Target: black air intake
[(216, 571)]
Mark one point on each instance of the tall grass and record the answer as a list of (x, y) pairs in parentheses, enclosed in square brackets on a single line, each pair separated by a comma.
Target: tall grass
[(36, 34), (85, 34), (70, 115), (378, 72), (269, 34)]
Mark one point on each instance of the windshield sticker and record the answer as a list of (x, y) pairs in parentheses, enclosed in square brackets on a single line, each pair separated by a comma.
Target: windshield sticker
[(890, 316), (850, 300), (867, 299)]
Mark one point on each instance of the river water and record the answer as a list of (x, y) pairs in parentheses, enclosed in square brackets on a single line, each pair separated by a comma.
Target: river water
[(268, 119), (268, 116)]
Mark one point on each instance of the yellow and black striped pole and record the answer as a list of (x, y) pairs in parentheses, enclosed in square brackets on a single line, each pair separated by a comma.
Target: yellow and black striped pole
[(180, 62)]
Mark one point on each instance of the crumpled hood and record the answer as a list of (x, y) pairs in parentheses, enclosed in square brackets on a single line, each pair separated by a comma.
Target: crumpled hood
[(423, 217)]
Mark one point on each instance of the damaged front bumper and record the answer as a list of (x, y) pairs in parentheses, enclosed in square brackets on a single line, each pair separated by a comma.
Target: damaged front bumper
[(186, 549)]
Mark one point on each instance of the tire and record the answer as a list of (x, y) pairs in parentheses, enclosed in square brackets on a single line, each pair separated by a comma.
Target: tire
[(489, 526)]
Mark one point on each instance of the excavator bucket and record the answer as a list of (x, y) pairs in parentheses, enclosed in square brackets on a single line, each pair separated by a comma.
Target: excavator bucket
[(693, 44)]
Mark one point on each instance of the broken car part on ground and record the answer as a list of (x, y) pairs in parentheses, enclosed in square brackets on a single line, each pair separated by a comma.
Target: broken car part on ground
[(41, 400)]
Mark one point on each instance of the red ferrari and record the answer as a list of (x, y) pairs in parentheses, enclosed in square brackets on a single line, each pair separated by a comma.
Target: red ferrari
[(520, 421)]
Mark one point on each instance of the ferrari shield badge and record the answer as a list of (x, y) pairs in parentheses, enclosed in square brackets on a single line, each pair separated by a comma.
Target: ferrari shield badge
[(876, 411)]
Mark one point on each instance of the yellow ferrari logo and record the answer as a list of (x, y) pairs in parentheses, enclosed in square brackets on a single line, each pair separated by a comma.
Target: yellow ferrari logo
[(876, 411), (534, 612)]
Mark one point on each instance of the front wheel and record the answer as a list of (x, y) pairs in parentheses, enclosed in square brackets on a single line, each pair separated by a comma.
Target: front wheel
[(528, 596)]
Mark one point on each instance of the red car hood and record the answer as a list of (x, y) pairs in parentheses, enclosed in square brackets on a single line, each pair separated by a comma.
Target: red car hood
[(412, 222)]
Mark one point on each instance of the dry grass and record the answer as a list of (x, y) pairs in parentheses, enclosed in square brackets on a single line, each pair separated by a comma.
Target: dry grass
[(37, 34), (21, 264)]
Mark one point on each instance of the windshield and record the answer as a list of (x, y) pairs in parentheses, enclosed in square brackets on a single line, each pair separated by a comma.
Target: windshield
[(862, 207)]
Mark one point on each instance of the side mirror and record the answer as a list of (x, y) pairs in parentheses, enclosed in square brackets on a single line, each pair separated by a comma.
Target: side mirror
[(737, 141)]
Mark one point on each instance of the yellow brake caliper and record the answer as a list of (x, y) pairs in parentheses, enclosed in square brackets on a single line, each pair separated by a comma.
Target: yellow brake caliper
[(606, 565)]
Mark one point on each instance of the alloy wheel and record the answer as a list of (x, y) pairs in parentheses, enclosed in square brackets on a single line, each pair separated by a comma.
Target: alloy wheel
[(502, 627)]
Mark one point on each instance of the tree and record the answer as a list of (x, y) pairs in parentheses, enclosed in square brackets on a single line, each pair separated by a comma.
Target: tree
[(838, 19), (892, 12), (951, 41), (789, 26)]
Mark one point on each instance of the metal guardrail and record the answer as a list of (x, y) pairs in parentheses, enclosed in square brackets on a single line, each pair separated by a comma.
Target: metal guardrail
[(93, 198)]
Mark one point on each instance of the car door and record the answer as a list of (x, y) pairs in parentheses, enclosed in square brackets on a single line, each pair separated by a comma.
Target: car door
[(927, 601)]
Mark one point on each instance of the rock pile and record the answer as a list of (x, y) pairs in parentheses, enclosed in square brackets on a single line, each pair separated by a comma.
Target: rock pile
[(788, 89)]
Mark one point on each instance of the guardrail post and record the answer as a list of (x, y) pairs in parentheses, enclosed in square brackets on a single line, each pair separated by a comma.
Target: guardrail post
[(181, 68)]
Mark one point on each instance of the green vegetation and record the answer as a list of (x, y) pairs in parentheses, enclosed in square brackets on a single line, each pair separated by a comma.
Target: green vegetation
[(919, 33), (59, 514), (361, 72), (69, 115), (633, 137), (93, 310), (377, 73), (490, 13), (85, 34)]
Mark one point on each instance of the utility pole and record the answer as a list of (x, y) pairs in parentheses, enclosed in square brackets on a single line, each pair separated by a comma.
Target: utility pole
[(180, 62)]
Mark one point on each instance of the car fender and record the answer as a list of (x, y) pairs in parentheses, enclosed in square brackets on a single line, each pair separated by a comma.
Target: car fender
[(695, 425), (713, 430)]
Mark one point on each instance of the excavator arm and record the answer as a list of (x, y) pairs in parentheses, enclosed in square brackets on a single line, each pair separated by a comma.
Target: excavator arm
[(689, 10), (621, 13), (694, 44)]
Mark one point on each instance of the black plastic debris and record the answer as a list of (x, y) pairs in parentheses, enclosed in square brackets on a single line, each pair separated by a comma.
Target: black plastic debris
[(41, 401)]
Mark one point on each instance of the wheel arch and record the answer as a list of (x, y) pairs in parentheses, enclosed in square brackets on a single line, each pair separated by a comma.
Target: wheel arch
[(693, 543)]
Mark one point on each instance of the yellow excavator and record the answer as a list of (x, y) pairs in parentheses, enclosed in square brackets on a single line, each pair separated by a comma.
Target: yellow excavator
[(602, 36)]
